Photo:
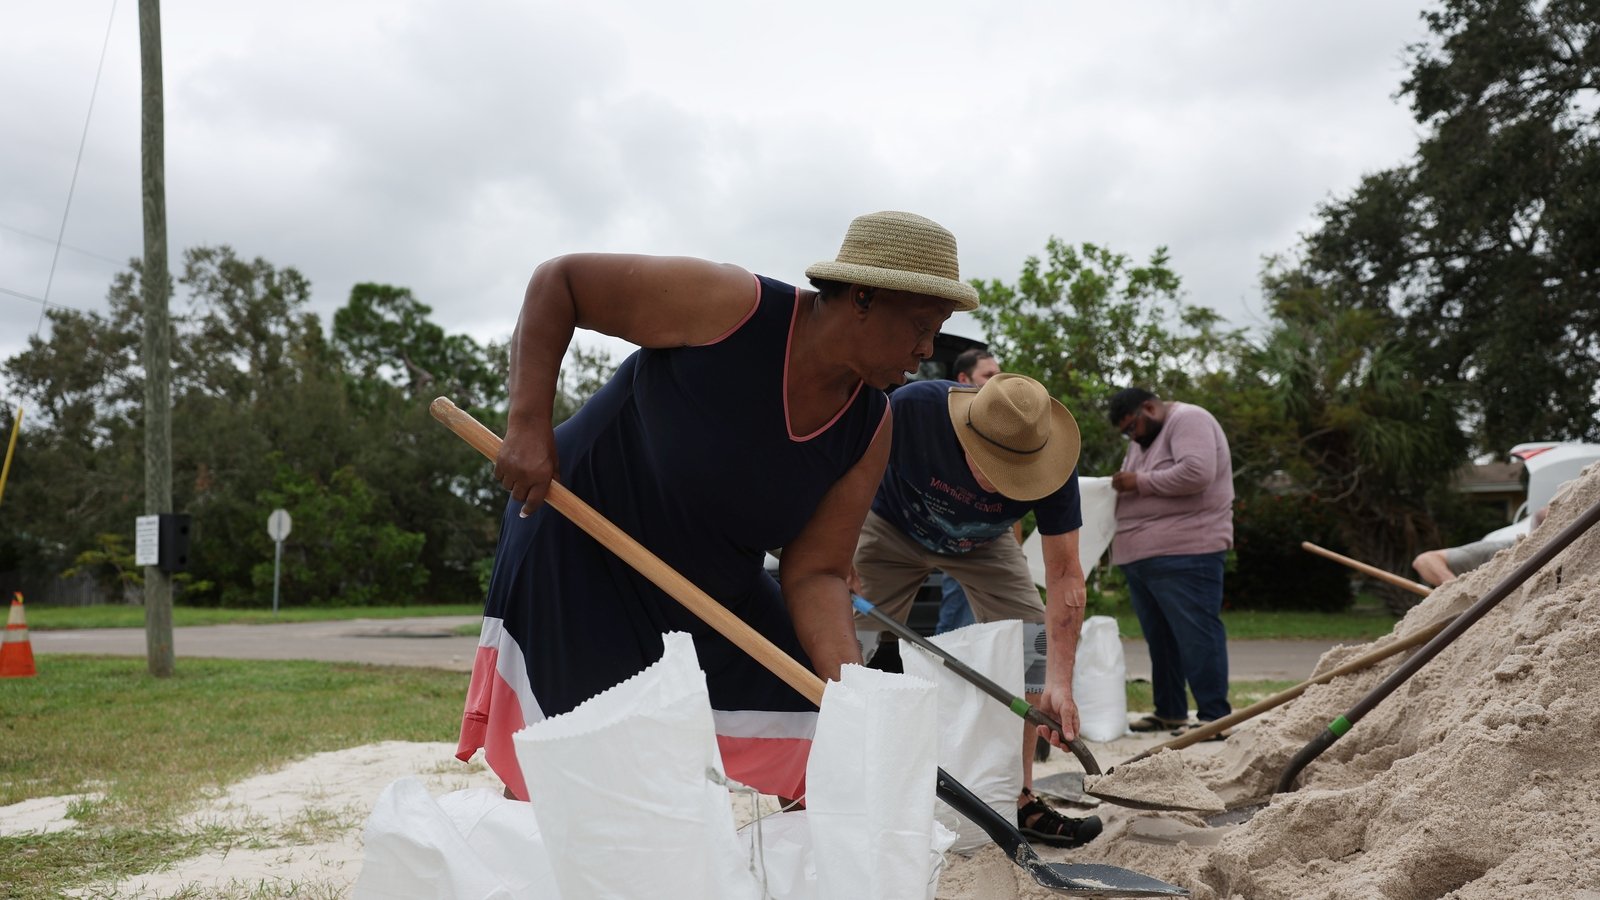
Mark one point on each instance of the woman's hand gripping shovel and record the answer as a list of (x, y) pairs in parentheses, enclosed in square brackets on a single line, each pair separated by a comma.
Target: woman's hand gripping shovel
[(1016, 704), (1081, 880)]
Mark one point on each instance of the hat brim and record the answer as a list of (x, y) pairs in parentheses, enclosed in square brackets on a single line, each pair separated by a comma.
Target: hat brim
[(963, 295), (1020, 476)]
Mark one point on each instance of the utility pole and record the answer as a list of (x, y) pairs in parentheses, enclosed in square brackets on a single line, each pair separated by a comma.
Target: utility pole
[(155, 287)]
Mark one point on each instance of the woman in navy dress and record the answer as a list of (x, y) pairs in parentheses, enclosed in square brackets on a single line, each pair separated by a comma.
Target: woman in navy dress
[(752, 418)]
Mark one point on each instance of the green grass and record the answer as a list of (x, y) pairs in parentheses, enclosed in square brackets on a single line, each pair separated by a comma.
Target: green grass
[(1367, 620), (45, 618), (154, 747), (1240, 694)]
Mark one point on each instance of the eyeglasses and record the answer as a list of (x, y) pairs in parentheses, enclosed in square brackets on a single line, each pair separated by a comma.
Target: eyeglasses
[(1128, 425)]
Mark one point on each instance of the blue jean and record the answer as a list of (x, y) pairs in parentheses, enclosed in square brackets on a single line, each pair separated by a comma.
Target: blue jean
[(954, 610), (1178, 600)]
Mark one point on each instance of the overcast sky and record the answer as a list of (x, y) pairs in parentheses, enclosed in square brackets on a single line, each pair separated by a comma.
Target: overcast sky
[(449, 147)]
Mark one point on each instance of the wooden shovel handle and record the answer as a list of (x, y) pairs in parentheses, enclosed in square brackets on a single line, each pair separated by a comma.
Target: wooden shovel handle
[(1415, 588), (646, 563), (1255, 709)]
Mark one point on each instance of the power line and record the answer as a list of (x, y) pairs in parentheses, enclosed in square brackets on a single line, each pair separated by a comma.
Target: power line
[(41, 301), (39, 237), (83, 140)]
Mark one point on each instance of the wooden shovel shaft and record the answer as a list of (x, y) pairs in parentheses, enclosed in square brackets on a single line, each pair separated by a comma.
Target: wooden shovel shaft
[(1412, 586), (646, 563)]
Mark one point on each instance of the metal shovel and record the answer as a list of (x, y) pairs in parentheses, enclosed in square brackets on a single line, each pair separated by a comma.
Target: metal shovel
[(1016, 704), (1080, 880)]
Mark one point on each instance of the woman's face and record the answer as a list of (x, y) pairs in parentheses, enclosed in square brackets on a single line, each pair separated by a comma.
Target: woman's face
[(898, 331)]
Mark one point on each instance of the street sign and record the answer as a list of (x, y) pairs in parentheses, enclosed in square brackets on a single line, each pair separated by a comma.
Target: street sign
[(278, 524), (277, 528), (147, 541)]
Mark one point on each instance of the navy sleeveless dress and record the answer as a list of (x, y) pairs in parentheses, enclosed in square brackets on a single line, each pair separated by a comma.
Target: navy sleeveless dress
[(690, 451)]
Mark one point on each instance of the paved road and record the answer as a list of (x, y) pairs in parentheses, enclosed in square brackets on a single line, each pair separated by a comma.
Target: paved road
[(430, 642)]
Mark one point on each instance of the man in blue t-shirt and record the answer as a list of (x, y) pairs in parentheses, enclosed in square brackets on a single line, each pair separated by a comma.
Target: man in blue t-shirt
[(965, 464), (974, 366)]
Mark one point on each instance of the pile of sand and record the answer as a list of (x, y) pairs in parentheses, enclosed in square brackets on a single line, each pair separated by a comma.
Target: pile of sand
[(1477, 779)]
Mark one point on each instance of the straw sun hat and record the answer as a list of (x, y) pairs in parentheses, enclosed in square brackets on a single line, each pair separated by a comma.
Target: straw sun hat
[(1018, 436), (899, 251)]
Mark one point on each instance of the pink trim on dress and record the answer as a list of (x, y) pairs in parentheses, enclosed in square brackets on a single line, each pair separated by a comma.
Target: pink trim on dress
[(788, 422), (739, 324), (774, 766), (492, 716)]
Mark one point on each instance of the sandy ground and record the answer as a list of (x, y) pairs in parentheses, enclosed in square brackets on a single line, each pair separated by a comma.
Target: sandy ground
[(306, 822)]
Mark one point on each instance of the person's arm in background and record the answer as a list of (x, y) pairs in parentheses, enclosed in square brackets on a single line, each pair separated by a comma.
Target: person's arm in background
[(816, 570), (649, 300), (1194, 455), (1433, 568), (1065, 598)]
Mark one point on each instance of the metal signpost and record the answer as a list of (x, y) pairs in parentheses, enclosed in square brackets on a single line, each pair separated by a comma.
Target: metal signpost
[(277, 528)]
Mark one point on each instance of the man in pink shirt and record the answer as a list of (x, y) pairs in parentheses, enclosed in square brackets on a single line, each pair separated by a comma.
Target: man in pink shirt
[(1174, 529)]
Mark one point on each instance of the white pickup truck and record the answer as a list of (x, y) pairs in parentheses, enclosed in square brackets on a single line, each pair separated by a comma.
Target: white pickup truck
[(1546, 466)]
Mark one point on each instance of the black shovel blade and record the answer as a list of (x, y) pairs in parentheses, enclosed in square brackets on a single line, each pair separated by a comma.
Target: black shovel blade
[(1065, 787), (1078, 880), (1093, 879)]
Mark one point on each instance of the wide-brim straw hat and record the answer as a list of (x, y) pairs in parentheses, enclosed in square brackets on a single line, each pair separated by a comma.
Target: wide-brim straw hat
[(900, 251), (1021, 438)]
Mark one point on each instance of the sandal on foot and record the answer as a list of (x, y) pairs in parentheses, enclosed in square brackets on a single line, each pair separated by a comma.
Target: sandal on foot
[(1155, 723), (1222, 735), (1040, 823)]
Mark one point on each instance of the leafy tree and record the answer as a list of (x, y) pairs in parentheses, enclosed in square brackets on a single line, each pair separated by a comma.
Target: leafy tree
[(75, 474), (1485, 245), (1358, 425), (343, 551), (112, 563), (385, 334), (258, 390), (1086, 322)]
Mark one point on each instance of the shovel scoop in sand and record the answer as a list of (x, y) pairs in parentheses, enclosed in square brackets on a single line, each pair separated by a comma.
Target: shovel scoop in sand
[(1160, 782)]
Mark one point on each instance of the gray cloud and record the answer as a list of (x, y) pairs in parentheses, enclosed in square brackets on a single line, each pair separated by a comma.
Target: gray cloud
[(451, 147)]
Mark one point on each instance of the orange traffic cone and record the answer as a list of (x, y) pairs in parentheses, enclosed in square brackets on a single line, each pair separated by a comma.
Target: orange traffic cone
[(16, 653)]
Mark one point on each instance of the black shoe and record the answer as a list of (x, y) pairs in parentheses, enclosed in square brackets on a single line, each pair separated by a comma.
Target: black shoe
[(1155, 723), (1041, 824)]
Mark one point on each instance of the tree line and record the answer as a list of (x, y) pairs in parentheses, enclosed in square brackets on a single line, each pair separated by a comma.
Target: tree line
[(269, 411), (1440, 309)]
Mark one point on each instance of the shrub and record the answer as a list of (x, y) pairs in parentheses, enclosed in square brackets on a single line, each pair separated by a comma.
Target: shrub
[(1270, 570)]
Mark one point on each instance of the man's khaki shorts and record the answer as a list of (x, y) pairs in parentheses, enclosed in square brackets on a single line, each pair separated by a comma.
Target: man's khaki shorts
[(995, 577)]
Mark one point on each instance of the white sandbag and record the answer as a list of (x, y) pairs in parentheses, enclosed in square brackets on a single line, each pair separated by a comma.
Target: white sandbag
[(870, 826), (413, 849), (505, 836), (1098, 502), (980, 739), (629, 790), (780, 846), (1099, 681), (870, 786)]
